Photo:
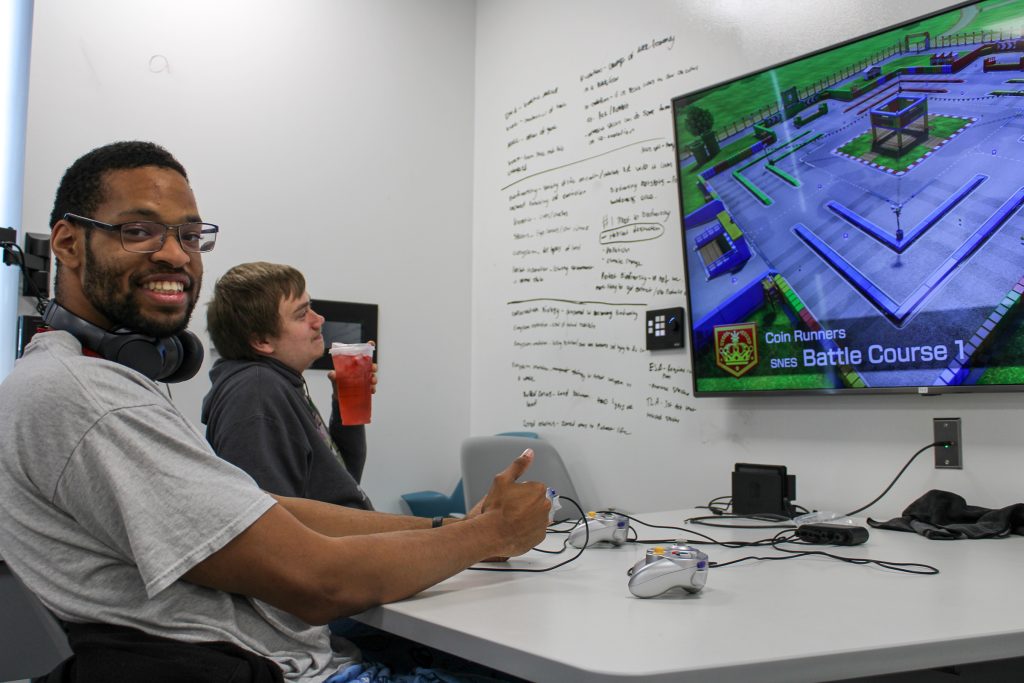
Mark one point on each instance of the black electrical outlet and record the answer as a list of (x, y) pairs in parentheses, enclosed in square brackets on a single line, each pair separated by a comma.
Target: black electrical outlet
[(948, 446)]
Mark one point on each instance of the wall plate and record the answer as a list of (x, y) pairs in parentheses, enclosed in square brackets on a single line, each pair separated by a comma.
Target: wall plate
[(948, 457), (665, 328)]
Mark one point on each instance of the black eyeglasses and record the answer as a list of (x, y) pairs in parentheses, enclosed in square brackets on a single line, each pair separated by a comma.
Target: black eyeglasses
[(147, 237)]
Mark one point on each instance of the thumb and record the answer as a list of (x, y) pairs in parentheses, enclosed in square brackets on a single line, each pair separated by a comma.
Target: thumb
[(517, 466)]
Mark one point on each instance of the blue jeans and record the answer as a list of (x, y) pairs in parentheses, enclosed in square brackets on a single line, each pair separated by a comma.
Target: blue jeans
[(388, 658)]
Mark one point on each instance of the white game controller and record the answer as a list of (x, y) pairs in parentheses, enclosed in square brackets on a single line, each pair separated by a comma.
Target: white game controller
[(603, 527), (556, 505), (677, 566)]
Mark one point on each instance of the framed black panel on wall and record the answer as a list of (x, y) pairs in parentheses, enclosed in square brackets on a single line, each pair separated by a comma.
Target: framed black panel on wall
[(347, 323)]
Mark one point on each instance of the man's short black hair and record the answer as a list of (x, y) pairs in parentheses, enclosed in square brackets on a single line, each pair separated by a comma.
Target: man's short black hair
[(81, 189)]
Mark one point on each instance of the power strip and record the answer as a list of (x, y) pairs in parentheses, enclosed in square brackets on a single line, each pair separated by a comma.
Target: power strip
[(832, 534)]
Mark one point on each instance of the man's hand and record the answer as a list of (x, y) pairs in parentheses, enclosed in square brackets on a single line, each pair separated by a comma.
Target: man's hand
[(521, 507), (348, 555), (334, 387)]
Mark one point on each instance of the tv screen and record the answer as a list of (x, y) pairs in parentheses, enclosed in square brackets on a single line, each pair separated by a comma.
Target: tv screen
[(346, 323), (852, 219)]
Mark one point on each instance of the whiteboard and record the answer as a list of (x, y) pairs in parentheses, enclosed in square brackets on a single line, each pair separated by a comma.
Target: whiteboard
[(576, 236)]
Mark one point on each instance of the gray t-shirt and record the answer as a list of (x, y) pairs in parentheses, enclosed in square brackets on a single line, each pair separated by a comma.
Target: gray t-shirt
[(108, 495)]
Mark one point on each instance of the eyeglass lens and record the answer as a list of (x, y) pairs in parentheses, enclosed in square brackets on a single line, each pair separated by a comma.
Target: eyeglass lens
[(149, 237)]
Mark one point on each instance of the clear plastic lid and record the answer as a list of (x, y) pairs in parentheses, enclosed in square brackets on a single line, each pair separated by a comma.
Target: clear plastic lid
[(339, 349)]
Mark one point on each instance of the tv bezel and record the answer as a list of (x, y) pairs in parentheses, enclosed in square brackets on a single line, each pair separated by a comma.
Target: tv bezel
[(363, 315), (929, 390)]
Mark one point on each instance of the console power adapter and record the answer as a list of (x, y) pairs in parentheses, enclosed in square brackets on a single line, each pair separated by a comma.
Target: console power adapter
[(832, 534)]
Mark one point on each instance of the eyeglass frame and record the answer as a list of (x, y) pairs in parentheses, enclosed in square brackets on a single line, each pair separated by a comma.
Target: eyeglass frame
[(118, 228)]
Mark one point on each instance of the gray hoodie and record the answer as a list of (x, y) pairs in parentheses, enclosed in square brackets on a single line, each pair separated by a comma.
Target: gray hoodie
[(259, 417)]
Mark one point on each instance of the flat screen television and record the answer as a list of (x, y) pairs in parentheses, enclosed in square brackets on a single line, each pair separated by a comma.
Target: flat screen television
[(852, 219), (345, 322)]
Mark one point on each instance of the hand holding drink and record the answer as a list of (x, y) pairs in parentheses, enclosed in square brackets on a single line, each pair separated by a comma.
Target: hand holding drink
[(353, 369)]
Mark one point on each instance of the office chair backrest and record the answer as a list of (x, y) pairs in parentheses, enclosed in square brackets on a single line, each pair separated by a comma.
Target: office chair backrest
[(485, 456), (31, 641)]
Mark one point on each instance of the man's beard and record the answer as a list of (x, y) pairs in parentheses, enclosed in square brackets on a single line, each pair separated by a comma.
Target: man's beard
[(101, 288)]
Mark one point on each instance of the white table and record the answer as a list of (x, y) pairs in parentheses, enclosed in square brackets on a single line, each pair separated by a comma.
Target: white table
[(804, 619)]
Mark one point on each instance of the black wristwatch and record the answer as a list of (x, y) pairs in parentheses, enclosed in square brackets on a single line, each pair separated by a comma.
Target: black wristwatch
[(436, 522)]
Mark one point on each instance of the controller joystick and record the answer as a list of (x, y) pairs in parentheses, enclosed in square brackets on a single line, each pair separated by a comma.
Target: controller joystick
[(556, 505), (604, 527), (662, 569)]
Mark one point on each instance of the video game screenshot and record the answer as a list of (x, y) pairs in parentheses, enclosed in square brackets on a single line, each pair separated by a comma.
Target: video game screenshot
[(852, 219)]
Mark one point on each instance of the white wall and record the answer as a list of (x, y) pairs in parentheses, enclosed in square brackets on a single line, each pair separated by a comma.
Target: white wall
[(331, 135), (325, 118), (632, 435)]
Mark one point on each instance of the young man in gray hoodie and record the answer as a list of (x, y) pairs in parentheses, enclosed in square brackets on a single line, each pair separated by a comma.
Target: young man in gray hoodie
[(258, 414)]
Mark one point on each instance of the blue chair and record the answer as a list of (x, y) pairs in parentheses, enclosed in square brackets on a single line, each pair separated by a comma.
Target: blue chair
[(437, 504)]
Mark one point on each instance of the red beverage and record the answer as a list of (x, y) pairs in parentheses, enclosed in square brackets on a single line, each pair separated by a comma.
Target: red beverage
[(352, 379)]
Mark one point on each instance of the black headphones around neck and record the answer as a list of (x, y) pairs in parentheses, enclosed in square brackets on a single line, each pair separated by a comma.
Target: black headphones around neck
[(165, 359)]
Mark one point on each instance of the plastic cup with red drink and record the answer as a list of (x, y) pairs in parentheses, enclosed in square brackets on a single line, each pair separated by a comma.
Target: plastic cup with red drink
[(353, 369)]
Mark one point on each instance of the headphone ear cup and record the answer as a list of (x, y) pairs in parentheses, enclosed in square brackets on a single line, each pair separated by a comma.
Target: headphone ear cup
[(135, 351), (170, 359), (190, 357)]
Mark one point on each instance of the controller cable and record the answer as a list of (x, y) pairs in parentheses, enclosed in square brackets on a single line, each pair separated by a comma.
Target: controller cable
[(720, 512), (555, 552), (784, 536), (718, 508), (900, 474), (707, 539), (781, 521), (636, 536), (565, 532)]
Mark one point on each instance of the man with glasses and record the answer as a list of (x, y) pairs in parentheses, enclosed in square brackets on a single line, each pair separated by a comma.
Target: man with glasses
[(164, 561)]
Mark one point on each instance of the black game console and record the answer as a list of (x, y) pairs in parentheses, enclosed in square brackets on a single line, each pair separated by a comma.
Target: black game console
[(762, 490)]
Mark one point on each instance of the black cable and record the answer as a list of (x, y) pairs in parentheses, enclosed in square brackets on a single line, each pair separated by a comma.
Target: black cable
[(40, 299), (565, 541), (773, 542), (717, 509), (767, 517), (924, 569), (708, 540), (554, 566), (900, 474), (722, 512)]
